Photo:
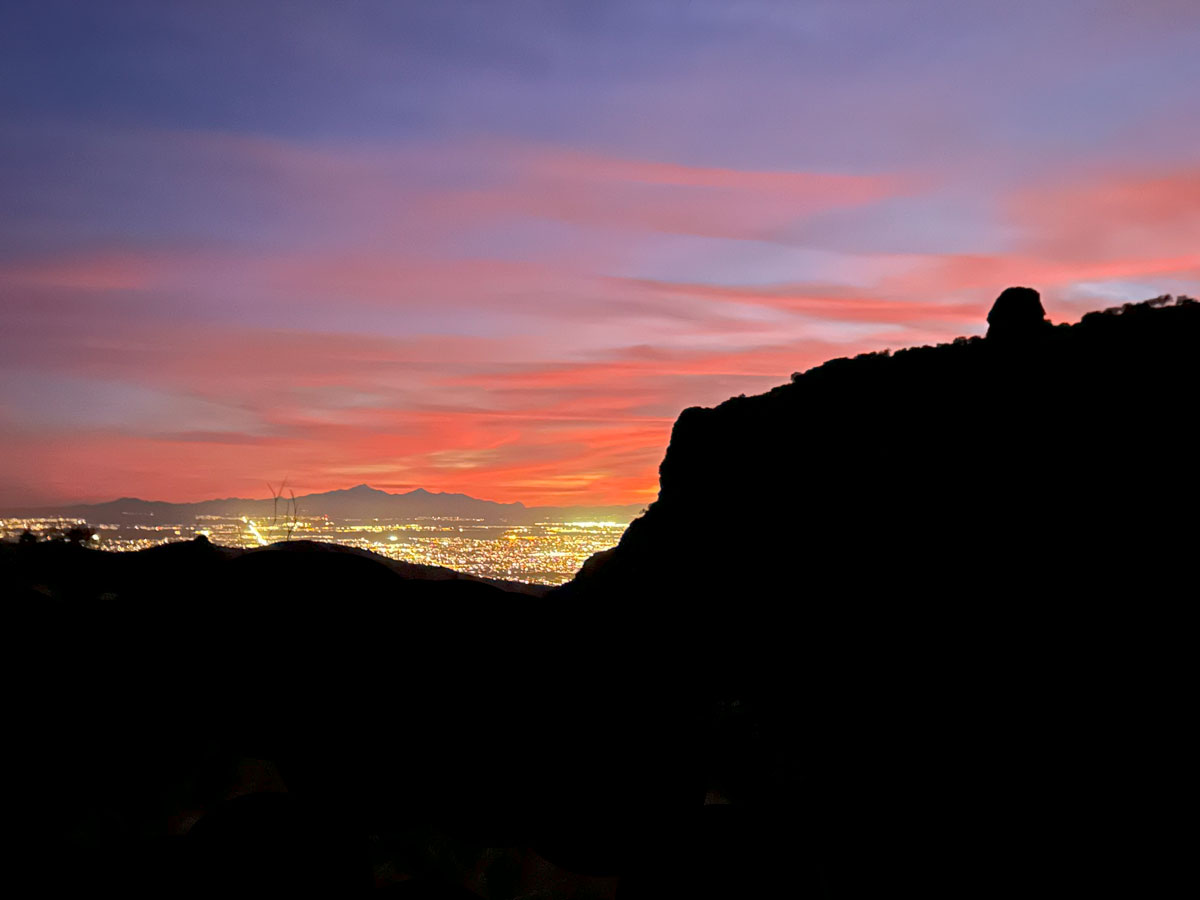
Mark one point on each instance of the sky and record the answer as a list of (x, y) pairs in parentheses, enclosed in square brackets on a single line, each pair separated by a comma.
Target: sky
[(497, 247)]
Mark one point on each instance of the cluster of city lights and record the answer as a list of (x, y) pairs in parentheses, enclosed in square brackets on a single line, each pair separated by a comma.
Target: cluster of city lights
[(542, 553)]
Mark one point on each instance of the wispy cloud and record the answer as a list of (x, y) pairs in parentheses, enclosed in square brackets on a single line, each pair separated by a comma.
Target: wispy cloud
[(500, 254)]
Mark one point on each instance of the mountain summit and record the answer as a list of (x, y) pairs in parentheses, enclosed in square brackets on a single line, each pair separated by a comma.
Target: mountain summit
[(363, 489)]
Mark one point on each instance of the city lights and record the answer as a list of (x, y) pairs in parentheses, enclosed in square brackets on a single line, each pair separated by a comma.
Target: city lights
[(544, 553)]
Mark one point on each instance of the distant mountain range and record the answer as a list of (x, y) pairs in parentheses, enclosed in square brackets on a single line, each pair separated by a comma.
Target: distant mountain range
[(360, 502)]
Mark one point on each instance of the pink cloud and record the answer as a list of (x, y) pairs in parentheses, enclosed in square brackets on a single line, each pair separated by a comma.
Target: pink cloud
[(111, 271), (936, 275), (813, 188), (588, 433), (570, 398), (824, 301), (1155, 216), (419, 194), (385, 187), (590, 189)]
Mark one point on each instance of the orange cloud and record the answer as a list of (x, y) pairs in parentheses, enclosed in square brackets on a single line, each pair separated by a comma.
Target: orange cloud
[(544, 434), (557, 383)]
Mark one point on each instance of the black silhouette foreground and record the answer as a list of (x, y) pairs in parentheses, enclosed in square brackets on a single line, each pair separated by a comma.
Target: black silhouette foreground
[(911, 625)]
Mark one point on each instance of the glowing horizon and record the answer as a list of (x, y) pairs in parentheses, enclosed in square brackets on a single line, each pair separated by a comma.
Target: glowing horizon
[(498, 254)]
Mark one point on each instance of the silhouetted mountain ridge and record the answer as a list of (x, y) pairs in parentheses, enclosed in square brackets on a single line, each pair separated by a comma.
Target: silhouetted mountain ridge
[(915, 624), (941, 422), (358, 502), (945, 587)]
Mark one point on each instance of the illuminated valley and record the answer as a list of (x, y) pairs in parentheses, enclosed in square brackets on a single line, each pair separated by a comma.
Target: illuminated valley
[(541, 553)]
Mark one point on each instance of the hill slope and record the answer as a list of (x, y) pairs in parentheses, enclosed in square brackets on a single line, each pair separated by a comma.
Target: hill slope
[(939, 460), (942, 586), (932, 649)]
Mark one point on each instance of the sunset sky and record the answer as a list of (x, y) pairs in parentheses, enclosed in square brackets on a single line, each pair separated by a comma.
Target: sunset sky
[(496, 247)]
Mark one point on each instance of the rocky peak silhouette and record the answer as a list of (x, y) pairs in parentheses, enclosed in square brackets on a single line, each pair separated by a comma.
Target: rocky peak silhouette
[(901, 553), (1017, 314)]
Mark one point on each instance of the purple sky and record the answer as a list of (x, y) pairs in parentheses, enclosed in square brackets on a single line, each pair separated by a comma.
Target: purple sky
[(496, 247)]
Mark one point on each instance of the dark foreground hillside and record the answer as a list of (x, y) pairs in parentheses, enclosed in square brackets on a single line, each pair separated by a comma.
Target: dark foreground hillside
[(946, 588), (936, 647)]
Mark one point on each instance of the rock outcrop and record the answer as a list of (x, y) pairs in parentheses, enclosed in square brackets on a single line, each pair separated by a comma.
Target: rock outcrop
[(1017, 315)]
